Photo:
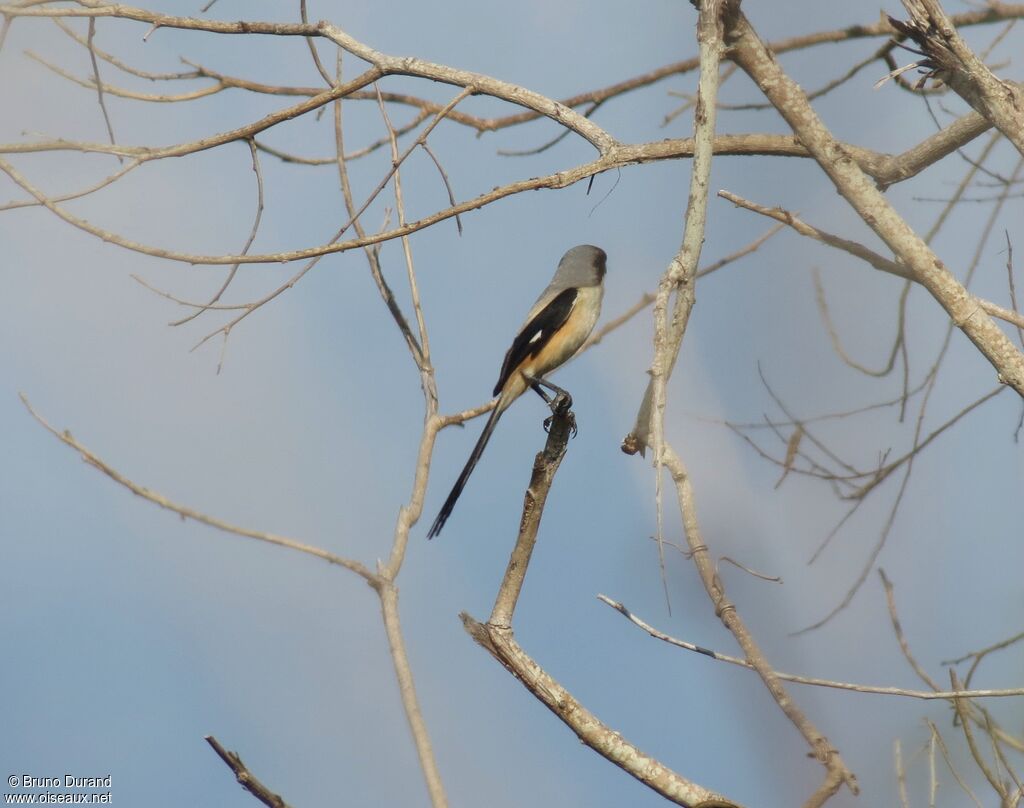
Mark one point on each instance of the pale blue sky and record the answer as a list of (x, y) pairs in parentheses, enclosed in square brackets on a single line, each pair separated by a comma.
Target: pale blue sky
[(131, 634)]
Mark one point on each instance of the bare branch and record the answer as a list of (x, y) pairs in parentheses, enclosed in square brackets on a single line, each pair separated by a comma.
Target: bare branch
[(245, 248), (986, 650), (681, 276), (410, 513), (99, 84), (545, 466), (991, 12), (962, 307), (1013, 287), (922, 674), (246, 778), (965, 722), (949, 60), (496, 637), (120, 65), (406, 687), (823, 751), (189, 513), (588, 727), (901, 775), (937, 737), (877, 690)]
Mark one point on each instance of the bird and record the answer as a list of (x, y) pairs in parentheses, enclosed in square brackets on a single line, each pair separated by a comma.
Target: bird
[(554, 330)]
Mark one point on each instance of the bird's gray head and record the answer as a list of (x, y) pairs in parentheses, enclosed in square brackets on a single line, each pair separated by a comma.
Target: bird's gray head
[(582, 266)]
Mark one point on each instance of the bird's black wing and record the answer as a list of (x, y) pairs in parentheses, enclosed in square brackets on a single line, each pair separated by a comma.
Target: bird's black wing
[(536, 333)]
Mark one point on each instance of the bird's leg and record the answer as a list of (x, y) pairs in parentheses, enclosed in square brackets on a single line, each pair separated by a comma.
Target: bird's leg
[(561, 404), (537, 383), (540, 392)]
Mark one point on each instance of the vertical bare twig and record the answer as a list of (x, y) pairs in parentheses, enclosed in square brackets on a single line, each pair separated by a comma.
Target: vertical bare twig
[(4, 28), (965, 723), (407, 690), (946, 756), (680, 277), (933, 781), (901, 774), (410, 513), (372, 253), (99, 85), (312, 49), (414, 290), (1012, 285), (826, 754)]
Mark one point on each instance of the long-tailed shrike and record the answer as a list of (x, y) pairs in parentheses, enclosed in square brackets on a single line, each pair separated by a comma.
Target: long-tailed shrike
[(555, 329)]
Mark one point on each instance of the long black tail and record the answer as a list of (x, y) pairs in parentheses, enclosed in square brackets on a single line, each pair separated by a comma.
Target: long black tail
[(449, 504)]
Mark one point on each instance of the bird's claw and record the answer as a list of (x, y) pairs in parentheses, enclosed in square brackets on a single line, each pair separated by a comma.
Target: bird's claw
[(572, 424), (561, 405)]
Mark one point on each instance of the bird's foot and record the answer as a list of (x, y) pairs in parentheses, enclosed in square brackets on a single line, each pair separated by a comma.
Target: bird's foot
[(561, 406), (561, 403)]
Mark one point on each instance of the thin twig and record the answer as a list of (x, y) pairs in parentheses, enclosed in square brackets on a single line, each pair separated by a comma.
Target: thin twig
[(311, 42), (333, 244), (933, 780), (901, 775), (4, 28), (1012, 285), (921, 673), (444, 179), (189, 513), (859, 250), (937, 737), (965, 723), (120, 65), (245, 248), (108, 180), (246, 778), (372, 254), (823, 751), (986, 650), (877, 690), (414, 291), (679, 278), (99, 84)]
